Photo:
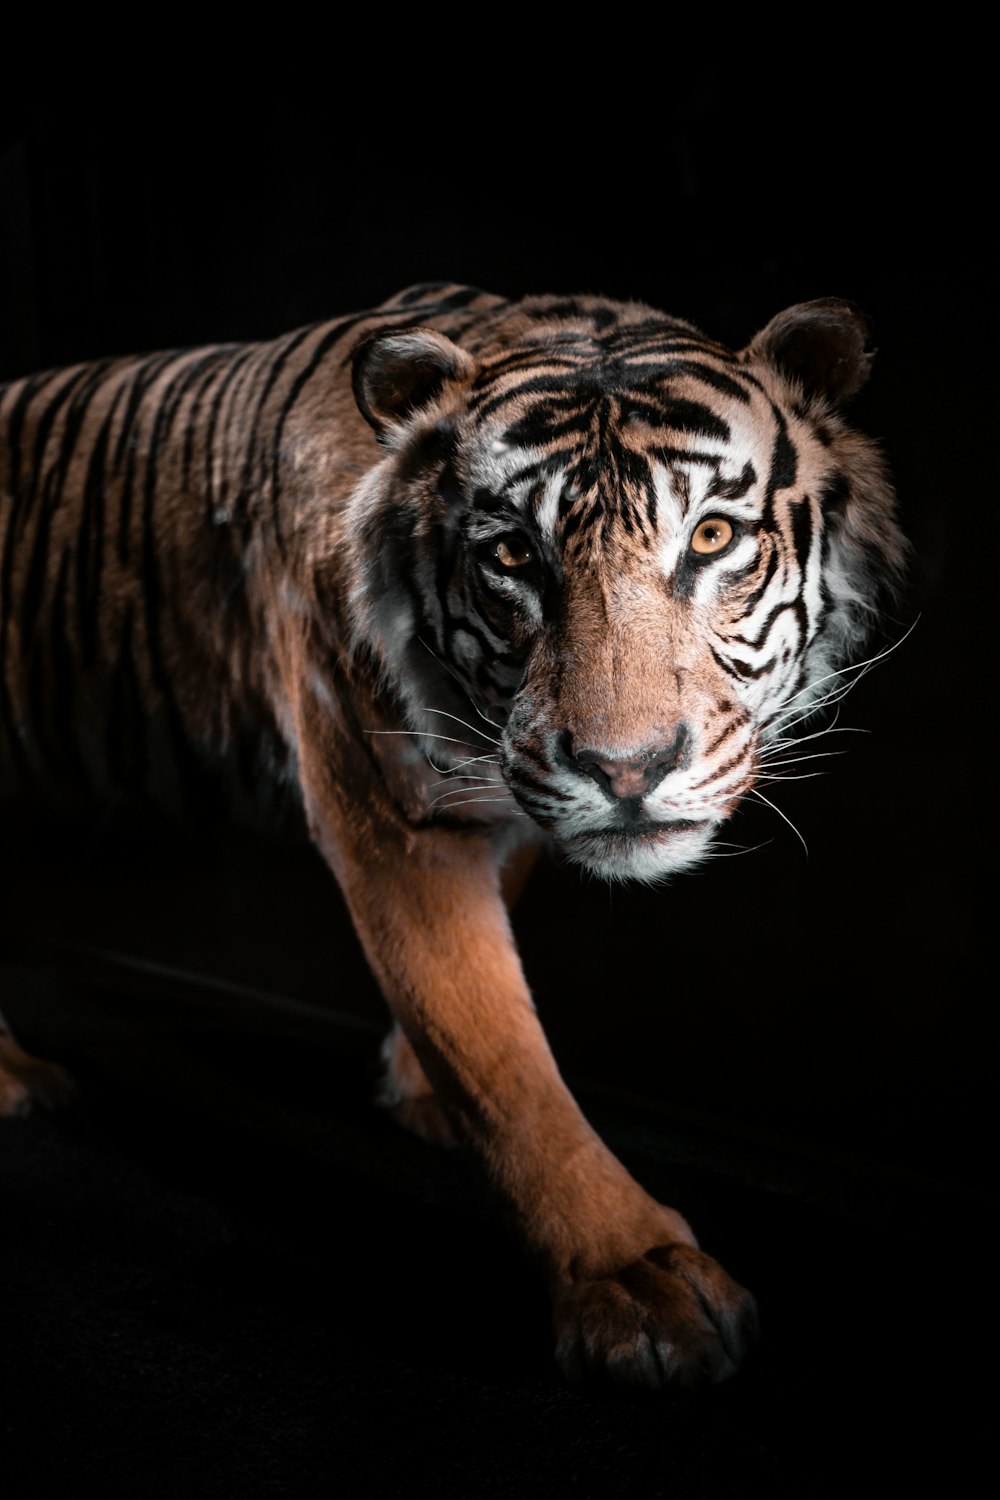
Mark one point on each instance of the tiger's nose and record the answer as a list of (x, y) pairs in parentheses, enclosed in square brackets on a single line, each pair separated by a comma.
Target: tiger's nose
[(631, 775)]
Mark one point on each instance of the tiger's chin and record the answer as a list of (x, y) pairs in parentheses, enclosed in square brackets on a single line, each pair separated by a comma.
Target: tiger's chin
[(648, 855)]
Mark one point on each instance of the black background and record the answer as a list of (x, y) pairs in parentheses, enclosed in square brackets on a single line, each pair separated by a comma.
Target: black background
[(820, 1018)]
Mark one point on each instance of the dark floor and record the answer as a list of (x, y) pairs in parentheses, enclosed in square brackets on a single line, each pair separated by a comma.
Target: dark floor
[(223, 1272)]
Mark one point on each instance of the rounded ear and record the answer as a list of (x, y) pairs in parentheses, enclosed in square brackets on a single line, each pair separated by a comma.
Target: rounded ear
[(398, 370), (823, 344)]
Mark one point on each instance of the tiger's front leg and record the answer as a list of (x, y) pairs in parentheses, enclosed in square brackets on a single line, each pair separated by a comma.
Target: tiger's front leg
[(406, 1091), (633, 1296)]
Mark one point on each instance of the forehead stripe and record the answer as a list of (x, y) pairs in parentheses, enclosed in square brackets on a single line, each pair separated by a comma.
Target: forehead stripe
[(784, 466), (732, 489)]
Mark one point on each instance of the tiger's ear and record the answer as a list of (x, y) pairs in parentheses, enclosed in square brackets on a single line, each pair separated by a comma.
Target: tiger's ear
[(398, 370), (822, 344)]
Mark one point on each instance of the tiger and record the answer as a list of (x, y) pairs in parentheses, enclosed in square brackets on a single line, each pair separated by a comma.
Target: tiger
[(459, 580)]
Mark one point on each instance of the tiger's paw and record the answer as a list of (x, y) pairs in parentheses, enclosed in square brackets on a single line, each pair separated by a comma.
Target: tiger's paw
[(26, 1081), (673, 1317)]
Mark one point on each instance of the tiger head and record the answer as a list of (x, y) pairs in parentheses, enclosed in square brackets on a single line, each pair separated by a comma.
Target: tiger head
[(608, 565)]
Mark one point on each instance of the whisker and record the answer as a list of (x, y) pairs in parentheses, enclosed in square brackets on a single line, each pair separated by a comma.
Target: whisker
[(856, 669), (792, 741), (471, 760), (785, 819), (481, 801), (419, 734), (452, 673), (451, 791), (471, 785), (731, 851), (797, 760), (465, 725), (805, 776), (796, 739)]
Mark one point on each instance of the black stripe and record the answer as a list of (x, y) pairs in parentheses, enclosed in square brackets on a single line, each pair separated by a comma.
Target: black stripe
[(280, 355), (580, 518), (802, 532), (79, 405), (668, 454), (43, 429), (726, 385), (211, 365), (733, 489), (460, 297), (227, 378), (143, 376), (513, 773), (784, 467), (732, 668), (91, 536), (718, 773), (486, 502), (728, 731), (835, 494), (228, 496), (184, 760), (333, 336), (83, 382), (29, 389), (770, 569), (792, 607)]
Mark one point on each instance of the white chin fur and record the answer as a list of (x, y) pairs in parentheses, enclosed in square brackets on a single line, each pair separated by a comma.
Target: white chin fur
[(649, 857)]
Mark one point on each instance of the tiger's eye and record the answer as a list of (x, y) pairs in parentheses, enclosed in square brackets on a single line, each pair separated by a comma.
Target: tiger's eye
[(513, 553), (712, 536)]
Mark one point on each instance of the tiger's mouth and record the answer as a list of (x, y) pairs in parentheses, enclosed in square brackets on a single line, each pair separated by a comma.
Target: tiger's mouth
[(649, 831)]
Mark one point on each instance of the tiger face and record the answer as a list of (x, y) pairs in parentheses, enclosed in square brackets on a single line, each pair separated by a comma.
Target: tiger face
[(635, 562)]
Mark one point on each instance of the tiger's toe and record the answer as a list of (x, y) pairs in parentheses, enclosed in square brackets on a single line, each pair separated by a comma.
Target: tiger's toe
[(672, 1317)]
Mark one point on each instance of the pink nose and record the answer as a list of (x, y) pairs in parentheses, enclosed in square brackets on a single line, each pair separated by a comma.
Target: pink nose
[(632, 775)]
